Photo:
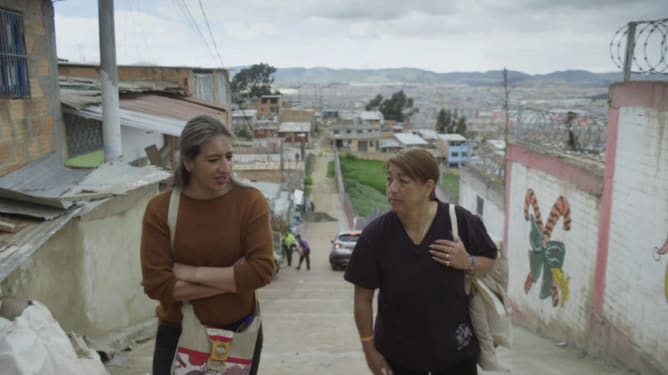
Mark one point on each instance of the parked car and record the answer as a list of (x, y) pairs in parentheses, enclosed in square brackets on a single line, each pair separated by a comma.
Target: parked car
[(342, 247)]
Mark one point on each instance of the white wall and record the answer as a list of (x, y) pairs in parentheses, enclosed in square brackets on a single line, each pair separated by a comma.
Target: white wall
[(635, 294), (472, 186), (88, 274), (135, 140), (568, 321)]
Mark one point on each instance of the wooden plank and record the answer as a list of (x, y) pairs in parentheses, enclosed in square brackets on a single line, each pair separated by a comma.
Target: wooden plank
[(6, 226), (154, 155)]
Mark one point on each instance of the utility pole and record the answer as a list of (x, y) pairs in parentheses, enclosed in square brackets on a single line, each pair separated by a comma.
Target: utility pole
[(111, 117), (505, 137)]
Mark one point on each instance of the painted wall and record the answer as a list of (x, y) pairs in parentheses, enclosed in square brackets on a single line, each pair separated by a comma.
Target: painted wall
[(87, 274), (551, 277), (28, 126), (632, 281), (473, 185)]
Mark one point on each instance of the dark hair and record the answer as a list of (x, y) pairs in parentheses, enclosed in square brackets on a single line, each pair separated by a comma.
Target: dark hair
[(198, 131), (419, 164)]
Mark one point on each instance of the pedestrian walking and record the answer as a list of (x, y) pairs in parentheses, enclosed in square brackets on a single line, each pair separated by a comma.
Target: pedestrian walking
[(219, 251), (409, 254), (305, 252)]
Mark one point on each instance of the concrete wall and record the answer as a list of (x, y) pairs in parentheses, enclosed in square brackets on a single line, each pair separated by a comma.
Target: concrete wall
[(631, 283), (579, 185), (134, 140), (472, 185), (88, 274), (28, 126)]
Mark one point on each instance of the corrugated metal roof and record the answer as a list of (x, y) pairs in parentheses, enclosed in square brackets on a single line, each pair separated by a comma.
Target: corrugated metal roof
[(371, 115), (174, 108), (17, 248), (244, 113), (45, 188), (295, 127), (388, 143), (452, 137), (79, 92), (409, 139), (118, 177), (138, 120), (42, 182)]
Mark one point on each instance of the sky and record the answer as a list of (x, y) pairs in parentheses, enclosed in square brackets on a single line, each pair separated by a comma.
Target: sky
[(532, 36)]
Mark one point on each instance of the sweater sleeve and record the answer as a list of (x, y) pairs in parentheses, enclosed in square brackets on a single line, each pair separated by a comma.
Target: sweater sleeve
[(258, 246), (156, 259)]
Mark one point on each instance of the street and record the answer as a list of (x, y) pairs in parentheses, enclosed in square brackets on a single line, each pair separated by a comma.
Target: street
[(309, 326)]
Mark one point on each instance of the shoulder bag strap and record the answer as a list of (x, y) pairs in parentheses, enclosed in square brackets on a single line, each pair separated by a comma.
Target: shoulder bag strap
[(173, 214), (453, 221)]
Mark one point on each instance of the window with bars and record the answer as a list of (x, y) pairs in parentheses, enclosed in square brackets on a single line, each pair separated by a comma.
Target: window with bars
[(13, 59), (83, 135)]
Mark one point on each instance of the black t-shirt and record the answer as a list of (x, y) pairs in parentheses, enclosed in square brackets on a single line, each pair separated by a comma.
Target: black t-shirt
[(422, 321)]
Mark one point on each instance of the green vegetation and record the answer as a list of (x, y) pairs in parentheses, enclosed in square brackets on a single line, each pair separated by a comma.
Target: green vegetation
[(451, 185), (366, 172), (450, 122), (252, 82), (310, 163), (364, 181), (393, 108), (308, 185), (243, 134), (331, 169), (364, 198)]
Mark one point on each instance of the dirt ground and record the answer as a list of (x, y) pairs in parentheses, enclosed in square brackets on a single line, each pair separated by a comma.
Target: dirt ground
[(308, 317)]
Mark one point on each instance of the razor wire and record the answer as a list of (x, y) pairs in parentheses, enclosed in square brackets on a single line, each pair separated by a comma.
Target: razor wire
[(641, 47), (568, 132)]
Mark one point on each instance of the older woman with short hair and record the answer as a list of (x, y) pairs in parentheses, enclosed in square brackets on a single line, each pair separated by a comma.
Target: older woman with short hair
[(422, 324)]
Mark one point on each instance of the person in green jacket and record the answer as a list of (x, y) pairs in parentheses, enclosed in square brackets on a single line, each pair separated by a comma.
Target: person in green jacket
[(289, 246)]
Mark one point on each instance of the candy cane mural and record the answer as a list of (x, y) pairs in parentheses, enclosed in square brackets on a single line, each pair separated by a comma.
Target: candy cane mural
[(546, 256)]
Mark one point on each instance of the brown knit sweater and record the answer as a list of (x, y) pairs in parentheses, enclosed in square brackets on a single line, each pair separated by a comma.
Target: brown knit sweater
[(215, 233)]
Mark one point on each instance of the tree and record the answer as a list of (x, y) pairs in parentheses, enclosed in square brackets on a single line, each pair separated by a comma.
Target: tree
[(374, 104), (450, 122), (443, 121), (461, 126), (252, 82), (395, 108)]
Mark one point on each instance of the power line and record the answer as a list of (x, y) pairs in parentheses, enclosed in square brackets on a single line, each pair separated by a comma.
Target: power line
[(192, 23), (206, 20)]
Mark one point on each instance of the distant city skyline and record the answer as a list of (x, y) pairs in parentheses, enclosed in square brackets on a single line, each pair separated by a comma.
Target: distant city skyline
[(532, 36)]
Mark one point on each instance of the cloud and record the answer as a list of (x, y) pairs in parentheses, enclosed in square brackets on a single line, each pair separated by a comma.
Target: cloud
[(536, 36)]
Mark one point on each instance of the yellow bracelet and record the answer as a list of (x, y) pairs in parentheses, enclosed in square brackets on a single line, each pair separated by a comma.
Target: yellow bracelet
[(366, 338)]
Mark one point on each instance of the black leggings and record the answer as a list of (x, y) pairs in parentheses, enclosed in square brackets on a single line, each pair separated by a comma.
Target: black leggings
[(166, 341), (465, 367)]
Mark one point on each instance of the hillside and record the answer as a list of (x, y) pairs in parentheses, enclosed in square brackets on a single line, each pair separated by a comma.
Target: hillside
[(293, 77)]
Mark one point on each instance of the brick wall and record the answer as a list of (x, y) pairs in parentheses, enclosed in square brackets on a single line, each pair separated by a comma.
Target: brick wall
[(579, 184), (28, 126)]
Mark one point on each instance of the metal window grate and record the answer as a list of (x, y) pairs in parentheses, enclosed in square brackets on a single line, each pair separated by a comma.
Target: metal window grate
[(83, 135), (13, 59)]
